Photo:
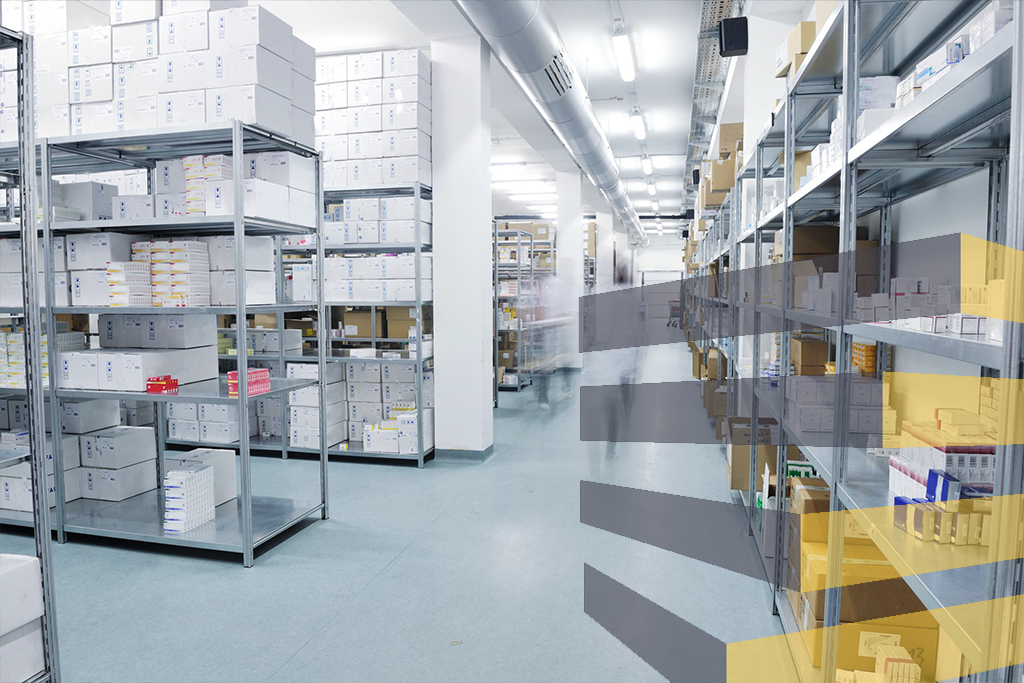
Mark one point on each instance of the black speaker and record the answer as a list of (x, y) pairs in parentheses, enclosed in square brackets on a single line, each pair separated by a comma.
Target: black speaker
[(688, 215), (696, 176), (732, 37)]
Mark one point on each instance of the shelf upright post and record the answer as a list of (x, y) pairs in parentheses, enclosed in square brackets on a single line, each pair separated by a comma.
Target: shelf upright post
[(417, 191), (497, 307), (34, 359), (241, 342), (756, 342), (321, 331), (847, 276), (1010, 452), (46, 173), (531, 302), (279, 256)]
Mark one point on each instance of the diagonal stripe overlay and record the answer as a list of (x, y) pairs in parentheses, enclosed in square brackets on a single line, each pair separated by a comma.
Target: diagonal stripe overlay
[(677, 649)]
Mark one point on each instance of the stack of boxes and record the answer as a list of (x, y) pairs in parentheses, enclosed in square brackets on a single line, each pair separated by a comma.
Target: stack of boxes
[(180, 273), (377, 278), (260, 279), (11, 289), (865, 357), (21, 632), (135, 348), (215, 423), (791, 53), (385, 221), (188, 498), (373, 118), (382, 403), (144, 65), (304, 408)]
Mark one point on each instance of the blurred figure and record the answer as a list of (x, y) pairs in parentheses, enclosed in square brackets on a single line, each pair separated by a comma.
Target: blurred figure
[(551, 336), (629, 372)]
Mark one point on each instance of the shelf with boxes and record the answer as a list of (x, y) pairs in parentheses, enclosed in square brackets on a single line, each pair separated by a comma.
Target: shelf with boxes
[(515, 300), (158, 286), (29, 629), (932, 124), (147, 65)]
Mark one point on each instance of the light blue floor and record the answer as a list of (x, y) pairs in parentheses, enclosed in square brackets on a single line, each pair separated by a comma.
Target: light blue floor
[(457, 572)]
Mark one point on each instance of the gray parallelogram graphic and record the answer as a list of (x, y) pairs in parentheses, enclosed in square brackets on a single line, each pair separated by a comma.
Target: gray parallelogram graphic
[(674, 647)]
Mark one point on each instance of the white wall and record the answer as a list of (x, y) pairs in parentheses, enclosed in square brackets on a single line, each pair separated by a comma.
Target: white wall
[(660, 258)]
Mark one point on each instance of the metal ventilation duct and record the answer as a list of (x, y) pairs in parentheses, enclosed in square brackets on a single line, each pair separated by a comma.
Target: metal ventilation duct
[(524, 38)]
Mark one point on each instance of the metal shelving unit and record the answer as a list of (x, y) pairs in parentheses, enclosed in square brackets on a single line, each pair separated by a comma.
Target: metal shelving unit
[(523, 301), (966, 122), (19, 165), (252, 520), (424, 362)]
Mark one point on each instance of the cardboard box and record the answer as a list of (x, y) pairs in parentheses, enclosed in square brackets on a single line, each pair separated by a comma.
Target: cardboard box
[(252, 104), (723, 175), (808, 353), (246, 26), (117, 447), (135, 41), (259, 252), (357, 324), (365, 65), (729, 135), (79, 417), (87, 46), (738, 452), (260, 287), (799, 42), (406, 115), (186, 108), (225, 477), (185, 32), (178, 331), (250, 65), (260, 199), (118, 484)]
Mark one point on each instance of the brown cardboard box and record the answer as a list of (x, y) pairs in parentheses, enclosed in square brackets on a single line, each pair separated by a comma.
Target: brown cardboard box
[(306, 325), (718, 402), (721, 425), (710, 197), (696, 358), (855, 639), (507, 359), (738, 452), (402, 321), (799, 42), (822, 10), (801, 164), (811, 239), (501, 374), (809, 370), (357, 324), (809, 496), (729, 134), (723, 175), (805, 352), (712, 364)]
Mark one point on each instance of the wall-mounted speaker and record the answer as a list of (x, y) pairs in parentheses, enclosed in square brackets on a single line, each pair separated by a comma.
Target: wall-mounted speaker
[(696, 176), (688, 215), (732, 37)]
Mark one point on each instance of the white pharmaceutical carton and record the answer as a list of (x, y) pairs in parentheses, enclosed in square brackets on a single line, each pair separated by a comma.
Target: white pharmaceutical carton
[(182, 430), (117, 447), (246, 26), (260, 287), (406, 63), (120, 484), (89, 46), (250, 65), (406, 115), (186, 32), (364, 119), (131, 11), (259, 252), (80, 417), (410, 142), (178, 331), (181, 109), (365, 65), (249, 104), (93, 251)]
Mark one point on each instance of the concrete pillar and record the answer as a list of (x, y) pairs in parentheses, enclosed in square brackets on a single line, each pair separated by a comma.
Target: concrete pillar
[(605, 252), (570, 255), (463, 361)]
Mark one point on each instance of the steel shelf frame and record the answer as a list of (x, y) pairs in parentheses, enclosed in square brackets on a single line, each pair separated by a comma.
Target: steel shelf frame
[(421, 360), (143, 150), (521, 273), (21, 177), (958, 129)]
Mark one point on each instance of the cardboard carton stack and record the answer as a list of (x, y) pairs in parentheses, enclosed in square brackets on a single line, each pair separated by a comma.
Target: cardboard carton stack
[(382, 400), (304, 407), (373, 121), (146, 64), (21, 631), (188, 498), (384, 221), (135, 348), (214, 423)]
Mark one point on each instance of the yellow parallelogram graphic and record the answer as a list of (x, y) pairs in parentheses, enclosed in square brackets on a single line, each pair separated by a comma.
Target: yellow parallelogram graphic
[(988, 272), (858, 644)]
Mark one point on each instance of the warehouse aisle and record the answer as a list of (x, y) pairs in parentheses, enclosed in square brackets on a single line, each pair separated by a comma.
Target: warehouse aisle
[(458, 572)]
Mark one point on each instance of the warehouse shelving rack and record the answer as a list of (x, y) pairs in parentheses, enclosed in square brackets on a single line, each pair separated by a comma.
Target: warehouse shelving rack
[(252, 520), (423, 362), (19, 166), (967, 122), (524, 301)]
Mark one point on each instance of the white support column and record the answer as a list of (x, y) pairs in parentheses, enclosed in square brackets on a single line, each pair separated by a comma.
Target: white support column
[(461, 93), (570, 255), (605, 252)]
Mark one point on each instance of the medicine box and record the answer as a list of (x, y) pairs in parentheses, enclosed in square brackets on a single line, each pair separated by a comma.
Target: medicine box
[(118, 484)]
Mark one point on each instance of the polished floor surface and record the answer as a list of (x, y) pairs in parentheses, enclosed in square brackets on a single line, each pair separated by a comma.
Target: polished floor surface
[(462, 571)]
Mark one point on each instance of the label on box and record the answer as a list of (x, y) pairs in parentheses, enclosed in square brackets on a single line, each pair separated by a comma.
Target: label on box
[(870, 641)]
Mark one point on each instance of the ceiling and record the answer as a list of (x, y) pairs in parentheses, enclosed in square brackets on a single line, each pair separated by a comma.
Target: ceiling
[(664, 82)]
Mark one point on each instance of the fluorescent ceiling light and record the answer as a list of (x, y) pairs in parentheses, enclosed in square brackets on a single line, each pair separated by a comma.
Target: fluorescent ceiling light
[(542, 209), (549, 216), (646, 165), (651, 189), (526, 186), (639, 129), (535, 197), (624, 56), (656, 206)]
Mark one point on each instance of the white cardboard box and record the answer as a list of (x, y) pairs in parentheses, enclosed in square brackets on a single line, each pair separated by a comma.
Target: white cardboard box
[(331, 69), (303, 92), (250, 65), (332, 147), (335, 371), (137, 79), (93, 251), (181, 109), (52, 121), (331, 122), (92, 117), (186, 32), (301, 207), (225, 471), (182, 6), (310, 396), (51, 87), (131, 42), (403, 266), (303, 58), (168, 205), (365, 65), (89, 288), (120, 331), (131, 368), (365, 172), (79, 417), (364, 119), (250, 104), (183, 430), (89, 46), (178, 331), (364, 392), (331, 97), (407, 170), (22, 599), (404, 232), (309, 437), (406, 89), (117, 447), (260, 199), (364, 93), (183, 410), (183, 72), (363, 371), (284, 168), (259, 252), (406, 115), (245, 26), (132, 207), (406, 63), (409, 142), (120, 484), (365, 146), (135, 113), (404, 208), (91, 83), (260, 287)]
